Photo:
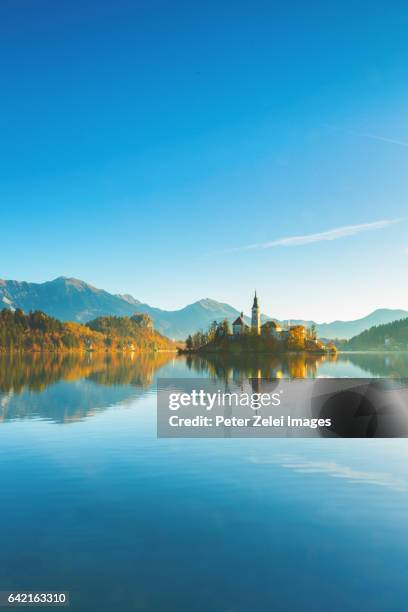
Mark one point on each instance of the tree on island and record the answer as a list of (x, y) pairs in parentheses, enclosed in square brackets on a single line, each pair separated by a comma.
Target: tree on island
[(312, 332), (212, 331), (189, 343), (225, 327)]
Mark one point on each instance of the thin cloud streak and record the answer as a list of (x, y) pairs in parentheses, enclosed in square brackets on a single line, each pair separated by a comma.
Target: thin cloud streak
[(333, 234), (400, 143)]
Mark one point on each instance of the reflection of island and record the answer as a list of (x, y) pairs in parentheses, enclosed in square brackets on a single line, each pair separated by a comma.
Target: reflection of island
[(243, 366)]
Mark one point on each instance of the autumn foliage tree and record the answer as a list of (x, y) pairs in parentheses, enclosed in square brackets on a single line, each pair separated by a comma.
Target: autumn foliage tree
[(37, 331)]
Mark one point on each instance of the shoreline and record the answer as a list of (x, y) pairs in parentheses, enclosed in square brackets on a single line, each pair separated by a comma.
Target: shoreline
[(253, 352), (373, 351), (85, 351)]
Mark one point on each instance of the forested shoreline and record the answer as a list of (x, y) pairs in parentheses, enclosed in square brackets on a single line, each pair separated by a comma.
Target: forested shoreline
[(36, 332)]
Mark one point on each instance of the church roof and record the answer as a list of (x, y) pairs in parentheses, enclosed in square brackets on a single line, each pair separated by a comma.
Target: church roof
[(239, 320)]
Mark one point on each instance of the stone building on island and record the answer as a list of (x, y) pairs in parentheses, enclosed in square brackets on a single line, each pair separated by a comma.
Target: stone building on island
[(296, 333)]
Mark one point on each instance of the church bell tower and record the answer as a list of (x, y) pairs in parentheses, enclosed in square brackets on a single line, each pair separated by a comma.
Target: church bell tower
[(256, 317)]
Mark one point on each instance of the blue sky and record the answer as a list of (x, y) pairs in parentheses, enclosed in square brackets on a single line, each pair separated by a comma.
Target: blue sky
[(143, 144)]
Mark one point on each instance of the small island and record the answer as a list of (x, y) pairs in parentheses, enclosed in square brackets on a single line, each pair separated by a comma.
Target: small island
[(270, 337)]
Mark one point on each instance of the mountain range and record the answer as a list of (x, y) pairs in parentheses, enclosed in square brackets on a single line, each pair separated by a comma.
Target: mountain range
[(70, 299)]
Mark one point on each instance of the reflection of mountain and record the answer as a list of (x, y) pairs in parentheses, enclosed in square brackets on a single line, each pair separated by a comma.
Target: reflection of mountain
[(35, 371), (64, 402), (65, 388), (390, 365)]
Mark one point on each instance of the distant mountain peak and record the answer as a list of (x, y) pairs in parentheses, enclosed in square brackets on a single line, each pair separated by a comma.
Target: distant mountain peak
[(70, 280), (128, 298), (386, 310), (76, 283), (207, 302), (210, 304), (66, 279)]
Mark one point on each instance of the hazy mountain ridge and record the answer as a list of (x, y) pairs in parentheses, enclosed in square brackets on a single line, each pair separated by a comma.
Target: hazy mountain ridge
[(348, 329), (179, 323), (67, 299), (70, 299)]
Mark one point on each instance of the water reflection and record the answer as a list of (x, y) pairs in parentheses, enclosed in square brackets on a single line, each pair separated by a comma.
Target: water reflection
[(237, 368), (389, 365), (39, 370), (67, 387)]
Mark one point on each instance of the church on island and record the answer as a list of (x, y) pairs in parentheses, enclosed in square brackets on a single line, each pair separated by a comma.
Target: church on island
[(270, 328)]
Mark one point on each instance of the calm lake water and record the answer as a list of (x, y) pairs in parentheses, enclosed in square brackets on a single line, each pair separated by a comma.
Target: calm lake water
[(93, 503)]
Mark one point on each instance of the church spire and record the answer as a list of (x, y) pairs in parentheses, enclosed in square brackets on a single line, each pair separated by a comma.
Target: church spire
[(256, 316)]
